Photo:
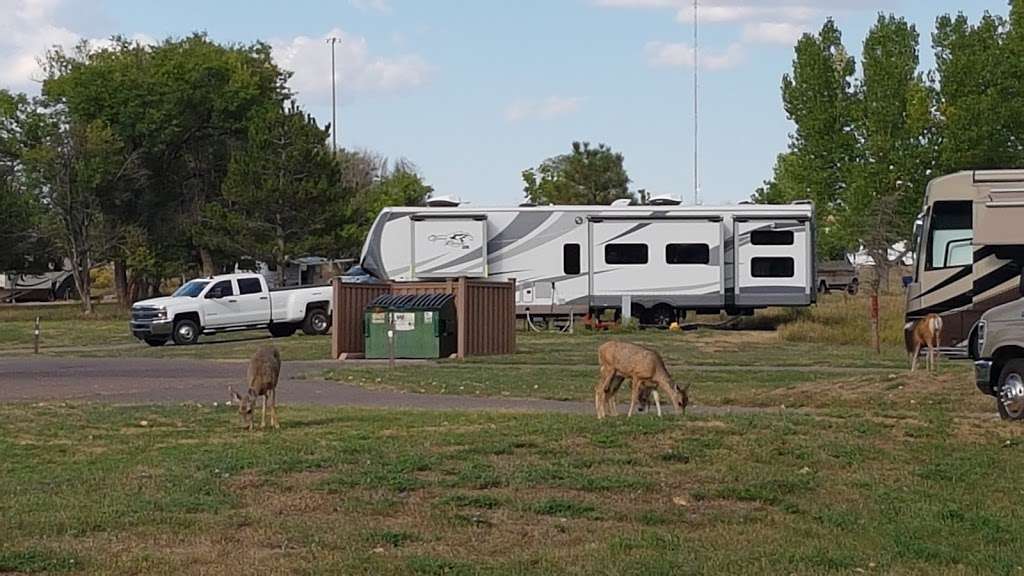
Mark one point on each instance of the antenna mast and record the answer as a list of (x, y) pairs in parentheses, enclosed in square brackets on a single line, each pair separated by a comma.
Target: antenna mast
[(696, 73)]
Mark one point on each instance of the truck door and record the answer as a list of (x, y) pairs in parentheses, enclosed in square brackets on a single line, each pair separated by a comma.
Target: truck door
[(773, 262), (253, 302), (448, 246), (221, 305)]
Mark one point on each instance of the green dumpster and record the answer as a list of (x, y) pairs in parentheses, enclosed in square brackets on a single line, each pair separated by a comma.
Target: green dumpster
[(423, 326)]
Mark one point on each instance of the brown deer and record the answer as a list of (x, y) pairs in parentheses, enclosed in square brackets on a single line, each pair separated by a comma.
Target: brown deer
[(264, 370), (926, 332), (646, 370)]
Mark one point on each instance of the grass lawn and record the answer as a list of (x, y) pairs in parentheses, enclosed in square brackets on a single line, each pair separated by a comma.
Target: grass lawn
[(90, 490)]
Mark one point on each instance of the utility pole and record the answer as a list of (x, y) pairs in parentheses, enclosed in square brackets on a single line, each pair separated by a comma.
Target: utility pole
[(334, 97), (696, 74)]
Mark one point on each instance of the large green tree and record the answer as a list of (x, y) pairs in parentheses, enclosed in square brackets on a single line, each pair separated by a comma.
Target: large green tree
[(894, 125), (819, 99), (587, 175), (181, 106), (282, 197)]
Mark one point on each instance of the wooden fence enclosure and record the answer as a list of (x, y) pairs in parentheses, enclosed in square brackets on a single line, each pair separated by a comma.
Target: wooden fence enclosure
[(485, 313)]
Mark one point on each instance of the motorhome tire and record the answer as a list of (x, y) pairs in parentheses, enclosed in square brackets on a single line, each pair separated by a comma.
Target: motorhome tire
[(282, 330), (186, 332), (1011, 390), (317, 322)]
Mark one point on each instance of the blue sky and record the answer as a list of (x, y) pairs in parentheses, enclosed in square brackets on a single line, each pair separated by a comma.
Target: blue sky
[(475, 91)]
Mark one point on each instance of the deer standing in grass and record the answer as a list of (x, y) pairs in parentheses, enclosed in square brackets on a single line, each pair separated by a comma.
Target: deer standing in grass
[(926, 332), (264, 370), (646, 371)]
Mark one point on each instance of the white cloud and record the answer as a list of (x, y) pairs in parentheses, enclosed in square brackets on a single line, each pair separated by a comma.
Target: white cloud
[(786, 33), (723, 13), (358, 70), (681, 55), (383, 6), (546, 109)]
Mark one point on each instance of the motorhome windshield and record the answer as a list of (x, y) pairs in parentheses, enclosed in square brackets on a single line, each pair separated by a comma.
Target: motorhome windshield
[(950, 234), (191, 289)]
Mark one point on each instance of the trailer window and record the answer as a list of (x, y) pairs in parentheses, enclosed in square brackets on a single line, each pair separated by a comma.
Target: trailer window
[(687, 254), (771, 237), (950, 235), (771, 267), (625, 253), (571, 259)]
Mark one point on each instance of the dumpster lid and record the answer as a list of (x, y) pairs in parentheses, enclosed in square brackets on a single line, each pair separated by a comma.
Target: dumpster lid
[(413, 301)]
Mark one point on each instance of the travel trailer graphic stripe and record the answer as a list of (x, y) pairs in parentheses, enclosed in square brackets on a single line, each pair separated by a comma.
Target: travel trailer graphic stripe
[(1008, 272), (521, 225), (943, 307), (635, 228), (557, 229), (474, 254)]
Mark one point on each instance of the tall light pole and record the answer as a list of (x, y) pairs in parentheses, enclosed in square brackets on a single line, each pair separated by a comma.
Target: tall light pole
[(696, 74), (334, 97)]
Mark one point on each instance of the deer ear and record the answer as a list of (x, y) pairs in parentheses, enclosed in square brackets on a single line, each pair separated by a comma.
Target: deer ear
[(234, 394)]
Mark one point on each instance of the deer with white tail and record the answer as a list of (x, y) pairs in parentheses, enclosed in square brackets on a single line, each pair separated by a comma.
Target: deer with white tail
[(926, 332)]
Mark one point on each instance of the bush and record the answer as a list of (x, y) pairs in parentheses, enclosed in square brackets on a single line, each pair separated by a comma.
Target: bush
[(836, 319)]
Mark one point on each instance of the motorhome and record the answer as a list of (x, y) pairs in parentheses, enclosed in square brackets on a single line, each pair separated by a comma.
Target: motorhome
[(969, 246), (654, 260)]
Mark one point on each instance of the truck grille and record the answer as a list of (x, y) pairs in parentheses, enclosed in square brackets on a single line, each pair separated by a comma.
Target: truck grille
[(144, 315)]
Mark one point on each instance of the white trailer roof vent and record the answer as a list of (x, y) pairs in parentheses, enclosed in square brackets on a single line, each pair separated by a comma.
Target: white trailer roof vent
[(443, 201), (665, 200), (622, 202)]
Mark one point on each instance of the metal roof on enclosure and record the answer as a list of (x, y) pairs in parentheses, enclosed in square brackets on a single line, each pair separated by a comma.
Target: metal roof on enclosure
[(434, 301)]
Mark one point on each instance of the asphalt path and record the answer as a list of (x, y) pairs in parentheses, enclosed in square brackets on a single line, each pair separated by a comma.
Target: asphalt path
[(175, 381)]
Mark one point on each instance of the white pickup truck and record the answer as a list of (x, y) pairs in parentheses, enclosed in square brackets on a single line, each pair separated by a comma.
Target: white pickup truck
[(228, 303)]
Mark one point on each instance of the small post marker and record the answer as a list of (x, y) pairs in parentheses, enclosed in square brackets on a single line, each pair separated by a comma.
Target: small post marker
[(391, 341), (35, 337)]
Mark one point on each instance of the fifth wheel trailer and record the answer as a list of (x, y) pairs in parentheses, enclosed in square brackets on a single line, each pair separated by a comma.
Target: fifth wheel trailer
[(969, 246), (573, 259)]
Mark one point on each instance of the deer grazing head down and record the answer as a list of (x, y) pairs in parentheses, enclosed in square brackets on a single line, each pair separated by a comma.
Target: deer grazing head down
[(264, 371), (646, 370)]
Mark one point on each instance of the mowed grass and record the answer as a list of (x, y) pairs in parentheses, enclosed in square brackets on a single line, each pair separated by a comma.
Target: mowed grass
[(89, 489)]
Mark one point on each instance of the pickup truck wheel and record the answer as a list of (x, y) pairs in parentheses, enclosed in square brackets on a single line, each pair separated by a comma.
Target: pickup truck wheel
[(186, 332), (853, 287), (156, 342), (1010, 401), (317, 322), (282, 330), (823, 287)]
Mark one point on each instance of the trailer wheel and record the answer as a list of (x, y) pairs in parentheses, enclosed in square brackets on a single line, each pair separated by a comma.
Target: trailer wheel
[(853, 287), (1010, 401), (317, 322), (661, 316)]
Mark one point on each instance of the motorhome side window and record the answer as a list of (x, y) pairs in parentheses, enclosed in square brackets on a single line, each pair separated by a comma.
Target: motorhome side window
[(571, 259), (771, 267), (771, 237), (950, 234), (687, 254), (625, 253)]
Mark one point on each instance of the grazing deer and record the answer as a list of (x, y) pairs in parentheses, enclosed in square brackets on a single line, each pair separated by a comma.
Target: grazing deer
[(264, 370), (646, 370), (926, 332)]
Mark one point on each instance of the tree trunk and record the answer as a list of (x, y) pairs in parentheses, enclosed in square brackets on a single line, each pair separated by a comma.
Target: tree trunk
[(209, 268), (124, 300), (80, 272)]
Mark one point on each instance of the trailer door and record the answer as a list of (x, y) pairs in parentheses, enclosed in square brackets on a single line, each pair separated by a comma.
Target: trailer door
[(774, 259), (448, 246), (673, 261)]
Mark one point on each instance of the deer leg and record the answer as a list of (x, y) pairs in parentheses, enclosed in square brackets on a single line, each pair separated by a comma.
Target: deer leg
[(634, 396), (657, 401), (263, 416), (273, 408), (617, 380), (913, 359), (601, 392)]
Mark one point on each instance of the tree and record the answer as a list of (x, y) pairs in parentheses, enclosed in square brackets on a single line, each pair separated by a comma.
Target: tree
[(181, 106), (979, 100), (584, 176), (818, 98), (373, 185), (282, 196), (73, 166)]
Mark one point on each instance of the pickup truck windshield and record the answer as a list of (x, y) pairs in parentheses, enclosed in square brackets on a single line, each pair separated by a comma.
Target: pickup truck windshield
[(191, 289)]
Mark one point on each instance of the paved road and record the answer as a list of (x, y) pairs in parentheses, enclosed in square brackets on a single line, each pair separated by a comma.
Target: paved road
[(171, 381)]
